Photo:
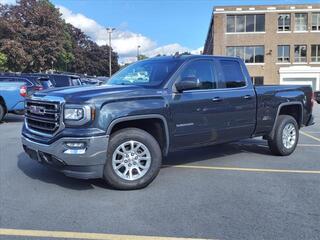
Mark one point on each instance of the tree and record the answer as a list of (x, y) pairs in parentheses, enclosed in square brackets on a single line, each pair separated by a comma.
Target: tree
[(33, 36), (36, 34), (88, 56), (3, 62), (142, 57)]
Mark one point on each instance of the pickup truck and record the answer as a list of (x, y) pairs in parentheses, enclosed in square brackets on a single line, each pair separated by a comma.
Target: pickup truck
[(12, 96), (120, 131)]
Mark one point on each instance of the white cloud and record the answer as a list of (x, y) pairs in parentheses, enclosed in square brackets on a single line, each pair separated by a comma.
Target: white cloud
[(7, 2), (123, 41), (171, 49)]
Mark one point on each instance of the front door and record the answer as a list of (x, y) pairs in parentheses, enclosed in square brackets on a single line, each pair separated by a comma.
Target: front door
[(196, 112)]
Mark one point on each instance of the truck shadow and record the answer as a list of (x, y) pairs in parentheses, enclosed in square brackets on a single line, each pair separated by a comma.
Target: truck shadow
[(37, 171), (215, 154)]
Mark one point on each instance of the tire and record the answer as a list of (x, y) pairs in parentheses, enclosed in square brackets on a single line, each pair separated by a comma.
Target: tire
[(278, 145), (145, 156), (2, 112)]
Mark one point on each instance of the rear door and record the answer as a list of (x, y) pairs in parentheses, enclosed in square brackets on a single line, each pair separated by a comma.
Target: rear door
[(239, 100)]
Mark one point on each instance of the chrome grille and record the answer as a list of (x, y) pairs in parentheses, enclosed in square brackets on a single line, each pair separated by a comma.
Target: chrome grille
[(43, 117)]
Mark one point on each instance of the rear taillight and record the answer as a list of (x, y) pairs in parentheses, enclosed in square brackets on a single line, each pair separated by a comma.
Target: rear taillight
[(23, 91), (38, 88)]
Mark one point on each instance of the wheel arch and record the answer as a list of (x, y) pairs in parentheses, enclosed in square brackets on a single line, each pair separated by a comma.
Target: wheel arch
[(287, 109), (137, 120)]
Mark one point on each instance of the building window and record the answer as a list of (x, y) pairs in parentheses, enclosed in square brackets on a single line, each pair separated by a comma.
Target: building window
[(315, 53), (240, 23), (231, 24), (260, 23), (258, 81), (284, 21), (283, 53), (249, 54), (246, 23), (301, 21), (300, 53), (315, 22), (250, 23)]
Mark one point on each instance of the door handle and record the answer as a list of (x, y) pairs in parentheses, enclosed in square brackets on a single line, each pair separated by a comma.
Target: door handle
[(216, 99), (247, 97)]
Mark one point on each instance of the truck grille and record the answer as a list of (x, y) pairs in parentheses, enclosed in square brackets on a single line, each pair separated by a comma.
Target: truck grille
[(43, 117)]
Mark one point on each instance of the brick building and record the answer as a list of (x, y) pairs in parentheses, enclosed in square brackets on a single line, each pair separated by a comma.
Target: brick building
[(279, 43)]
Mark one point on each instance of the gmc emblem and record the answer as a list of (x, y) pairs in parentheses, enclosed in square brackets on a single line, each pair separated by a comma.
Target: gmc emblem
[(37, 110)]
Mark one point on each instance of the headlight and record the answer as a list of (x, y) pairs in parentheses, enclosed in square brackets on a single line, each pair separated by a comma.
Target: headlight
[(73, 113), (78, 115)]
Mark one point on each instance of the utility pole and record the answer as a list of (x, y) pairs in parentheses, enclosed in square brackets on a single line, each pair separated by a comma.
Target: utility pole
[(138, 54), (110, 30)]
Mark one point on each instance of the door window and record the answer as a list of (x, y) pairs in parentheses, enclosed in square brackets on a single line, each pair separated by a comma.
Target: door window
[(232, 74), (202, 72)]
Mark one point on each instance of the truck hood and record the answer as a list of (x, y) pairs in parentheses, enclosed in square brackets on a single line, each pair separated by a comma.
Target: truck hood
[(106, 92)]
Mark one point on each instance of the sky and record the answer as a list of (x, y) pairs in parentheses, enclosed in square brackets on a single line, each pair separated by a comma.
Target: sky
[(158, 26)]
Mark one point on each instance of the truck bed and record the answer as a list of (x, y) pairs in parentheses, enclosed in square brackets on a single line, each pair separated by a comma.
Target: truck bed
[(270, 97)]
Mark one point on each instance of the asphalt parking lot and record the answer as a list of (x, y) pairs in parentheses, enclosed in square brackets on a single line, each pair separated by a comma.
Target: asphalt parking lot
[(233, 191)]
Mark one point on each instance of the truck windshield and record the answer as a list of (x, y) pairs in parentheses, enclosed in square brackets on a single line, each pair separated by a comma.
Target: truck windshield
[(146, 73)]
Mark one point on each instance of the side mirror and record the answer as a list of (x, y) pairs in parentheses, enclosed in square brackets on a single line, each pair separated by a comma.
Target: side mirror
[(188, 83)]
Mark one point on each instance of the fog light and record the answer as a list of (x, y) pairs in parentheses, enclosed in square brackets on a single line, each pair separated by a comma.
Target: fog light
[(77, 145)]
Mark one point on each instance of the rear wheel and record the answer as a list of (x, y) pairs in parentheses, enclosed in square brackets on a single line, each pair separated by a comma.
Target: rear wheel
[(2, 112), (286, 136), (133, 160)]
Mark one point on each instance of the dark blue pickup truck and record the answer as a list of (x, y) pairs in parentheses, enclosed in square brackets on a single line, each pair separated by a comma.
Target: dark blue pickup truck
[(120, 131)]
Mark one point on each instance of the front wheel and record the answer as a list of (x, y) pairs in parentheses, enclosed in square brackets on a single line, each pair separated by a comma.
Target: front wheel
[(286, 136), (133, 160), (2, 112)]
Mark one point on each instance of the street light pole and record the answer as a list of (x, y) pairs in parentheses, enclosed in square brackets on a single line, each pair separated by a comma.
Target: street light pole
[(110, 30), (138, 54)]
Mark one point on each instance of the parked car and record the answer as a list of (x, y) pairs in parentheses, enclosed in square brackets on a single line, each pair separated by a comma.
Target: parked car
[(12, 96), (317, 96), (90, 81), (121, 131), (103, 79), (32, 84), (45, 82)]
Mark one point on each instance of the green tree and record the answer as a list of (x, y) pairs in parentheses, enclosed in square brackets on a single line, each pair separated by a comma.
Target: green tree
[(142, 57), (34, 33), (3, 62), (33, 36), (88, 56)]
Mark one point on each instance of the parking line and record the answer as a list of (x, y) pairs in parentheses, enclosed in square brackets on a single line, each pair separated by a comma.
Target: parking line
[(308, 145), (310, 136), (78, 235), (245, 169)]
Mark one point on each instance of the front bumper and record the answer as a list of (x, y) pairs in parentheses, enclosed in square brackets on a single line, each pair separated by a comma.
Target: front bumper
[(85, 163)]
